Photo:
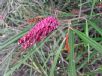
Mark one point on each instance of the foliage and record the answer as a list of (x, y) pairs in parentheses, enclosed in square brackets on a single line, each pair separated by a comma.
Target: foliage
[(81, 20)]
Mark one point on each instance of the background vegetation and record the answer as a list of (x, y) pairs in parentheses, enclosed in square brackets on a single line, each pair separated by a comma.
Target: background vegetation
[(81, 20)]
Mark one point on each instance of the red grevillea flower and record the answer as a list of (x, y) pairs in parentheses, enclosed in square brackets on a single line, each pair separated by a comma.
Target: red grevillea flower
[(39, 32)]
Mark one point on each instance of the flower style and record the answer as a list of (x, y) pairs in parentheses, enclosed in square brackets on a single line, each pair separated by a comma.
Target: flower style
[(38, 32)]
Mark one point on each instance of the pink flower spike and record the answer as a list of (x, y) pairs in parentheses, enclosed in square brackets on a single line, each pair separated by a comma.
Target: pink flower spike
[(38, 32)]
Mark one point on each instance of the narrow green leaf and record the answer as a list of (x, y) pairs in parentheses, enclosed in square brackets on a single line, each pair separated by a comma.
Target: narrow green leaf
[(89, 40), (71, 67), (94, 25), (92, 8)]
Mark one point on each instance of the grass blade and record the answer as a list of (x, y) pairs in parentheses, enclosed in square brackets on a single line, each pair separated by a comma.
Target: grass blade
[(56, 59)]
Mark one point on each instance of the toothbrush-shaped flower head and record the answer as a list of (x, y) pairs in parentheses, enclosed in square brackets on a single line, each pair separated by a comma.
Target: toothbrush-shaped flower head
[(39, 32)]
